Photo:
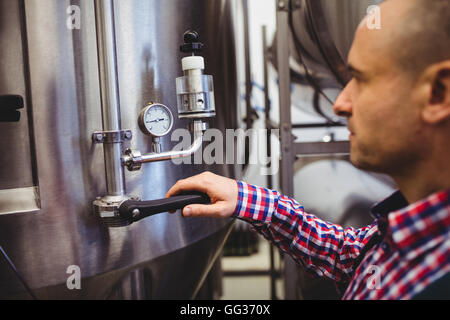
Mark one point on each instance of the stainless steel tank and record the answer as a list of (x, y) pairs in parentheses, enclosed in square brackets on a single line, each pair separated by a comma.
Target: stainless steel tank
[(51, 172)]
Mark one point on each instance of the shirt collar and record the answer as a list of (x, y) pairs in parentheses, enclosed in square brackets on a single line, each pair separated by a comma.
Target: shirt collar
[(417, 227), (381, 210)]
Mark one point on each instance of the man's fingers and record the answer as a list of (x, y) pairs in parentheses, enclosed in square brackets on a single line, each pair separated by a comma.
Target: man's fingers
[(177, 188), (183, 185), (189, 184), (201, 210), (222, 192)]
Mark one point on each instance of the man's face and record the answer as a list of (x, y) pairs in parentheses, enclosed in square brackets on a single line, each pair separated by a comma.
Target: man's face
[(383, 119)]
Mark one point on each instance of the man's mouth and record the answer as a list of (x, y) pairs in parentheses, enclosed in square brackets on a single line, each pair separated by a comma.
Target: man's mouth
[(352, 132), (351, 129)]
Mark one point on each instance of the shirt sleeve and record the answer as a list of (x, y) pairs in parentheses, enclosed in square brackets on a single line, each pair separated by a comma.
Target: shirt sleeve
[(324, 249)]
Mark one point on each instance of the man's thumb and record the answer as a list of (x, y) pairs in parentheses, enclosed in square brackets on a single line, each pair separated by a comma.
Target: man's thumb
[(199, 210)]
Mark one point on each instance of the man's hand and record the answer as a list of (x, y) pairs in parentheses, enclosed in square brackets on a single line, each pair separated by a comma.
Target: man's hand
[(222, 191)]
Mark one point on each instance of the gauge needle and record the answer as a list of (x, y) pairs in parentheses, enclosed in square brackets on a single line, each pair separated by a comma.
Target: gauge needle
[(157, 120)]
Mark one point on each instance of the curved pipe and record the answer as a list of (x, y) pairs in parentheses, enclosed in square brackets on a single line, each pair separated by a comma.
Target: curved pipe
[(133, 160)]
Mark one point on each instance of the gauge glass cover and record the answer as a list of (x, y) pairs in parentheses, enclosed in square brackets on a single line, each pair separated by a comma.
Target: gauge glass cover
[(157, 120)]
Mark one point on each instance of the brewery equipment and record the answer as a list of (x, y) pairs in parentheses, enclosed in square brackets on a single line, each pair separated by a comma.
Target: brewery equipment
[(84, 86), (195, 101)]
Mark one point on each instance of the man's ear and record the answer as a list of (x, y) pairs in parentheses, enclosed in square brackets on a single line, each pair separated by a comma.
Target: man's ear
[(437, 107)]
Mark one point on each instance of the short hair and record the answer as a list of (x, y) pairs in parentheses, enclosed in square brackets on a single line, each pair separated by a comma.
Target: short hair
[(423, 35)]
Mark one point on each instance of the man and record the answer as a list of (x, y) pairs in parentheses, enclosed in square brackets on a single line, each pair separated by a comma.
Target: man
[(398, 110)]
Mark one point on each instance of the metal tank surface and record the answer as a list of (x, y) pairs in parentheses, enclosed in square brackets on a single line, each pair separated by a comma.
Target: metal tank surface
[(51, 171)]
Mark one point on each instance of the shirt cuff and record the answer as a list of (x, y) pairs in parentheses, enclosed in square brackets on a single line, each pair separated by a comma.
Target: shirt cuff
[(255, 204)]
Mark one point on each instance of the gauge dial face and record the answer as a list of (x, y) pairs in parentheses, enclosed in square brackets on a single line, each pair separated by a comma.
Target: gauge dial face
[(156, 120)]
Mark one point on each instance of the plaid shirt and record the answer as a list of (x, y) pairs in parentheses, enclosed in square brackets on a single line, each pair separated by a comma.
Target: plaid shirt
[(413, 251)]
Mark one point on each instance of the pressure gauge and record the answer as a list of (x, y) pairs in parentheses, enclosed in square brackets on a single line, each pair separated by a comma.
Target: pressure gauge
[(156, 120)]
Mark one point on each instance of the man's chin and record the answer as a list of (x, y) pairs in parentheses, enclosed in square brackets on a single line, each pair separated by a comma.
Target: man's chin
[(363, 164)]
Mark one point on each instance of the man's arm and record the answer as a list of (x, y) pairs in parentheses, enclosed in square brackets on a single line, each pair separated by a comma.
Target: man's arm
[(323, 248)]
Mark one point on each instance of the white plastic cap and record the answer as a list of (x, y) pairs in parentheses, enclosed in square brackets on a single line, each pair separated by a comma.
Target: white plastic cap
[(194, 62)]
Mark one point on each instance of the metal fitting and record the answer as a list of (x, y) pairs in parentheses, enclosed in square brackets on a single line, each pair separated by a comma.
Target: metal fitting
[(132, 160), (112, 136), (107, 208)]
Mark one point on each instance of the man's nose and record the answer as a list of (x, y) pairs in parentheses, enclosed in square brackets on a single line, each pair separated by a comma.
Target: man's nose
[(343, 105)]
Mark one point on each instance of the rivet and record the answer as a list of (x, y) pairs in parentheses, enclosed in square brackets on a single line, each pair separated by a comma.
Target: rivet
[(136, 213)]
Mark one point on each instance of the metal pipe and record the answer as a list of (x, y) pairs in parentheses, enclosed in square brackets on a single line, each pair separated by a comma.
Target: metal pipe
[(283, 55), (170, 155), (109, 87), (248, 83), (267, 102), (286, 140), (267, 108), (133, 159)]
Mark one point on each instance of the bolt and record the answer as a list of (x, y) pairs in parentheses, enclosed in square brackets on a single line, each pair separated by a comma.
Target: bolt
[(128, 135), (99, 137), (281, 5), (136, 213)]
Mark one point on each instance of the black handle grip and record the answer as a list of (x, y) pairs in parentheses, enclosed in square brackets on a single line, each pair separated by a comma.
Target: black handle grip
[(133, 210), (9, 104), (9, 116)]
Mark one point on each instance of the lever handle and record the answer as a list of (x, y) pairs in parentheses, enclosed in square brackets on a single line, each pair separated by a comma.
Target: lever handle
[(9, 116), (9, 104), (133, 210)]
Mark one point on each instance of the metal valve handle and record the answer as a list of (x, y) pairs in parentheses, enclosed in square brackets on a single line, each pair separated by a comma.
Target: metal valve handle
[(133, 210), (9, 104)]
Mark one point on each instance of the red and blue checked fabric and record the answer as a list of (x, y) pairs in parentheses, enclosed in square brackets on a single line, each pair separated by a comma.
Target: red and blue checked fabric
[(414, 251)]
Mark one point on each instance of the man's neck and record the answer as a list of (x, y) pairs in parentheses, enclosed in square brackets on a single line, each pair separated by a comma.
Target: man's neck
[(427, 178)]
